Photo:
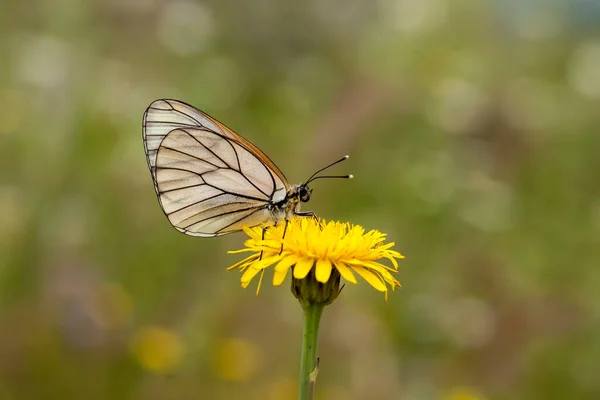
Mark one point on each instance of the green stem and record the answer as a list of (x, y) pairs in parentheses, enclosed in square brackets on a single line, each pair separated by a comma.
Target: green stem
[(308, 362)]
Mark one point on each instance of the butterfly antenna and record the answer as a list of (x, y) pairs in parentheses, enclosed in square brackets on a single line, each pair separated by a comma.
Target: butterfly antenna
[(313, 176), (331, 176)]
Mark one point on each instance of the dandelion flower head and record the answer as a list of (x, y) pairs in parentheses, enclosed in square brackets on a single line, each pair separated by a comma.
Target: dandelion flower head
[(317, 246)]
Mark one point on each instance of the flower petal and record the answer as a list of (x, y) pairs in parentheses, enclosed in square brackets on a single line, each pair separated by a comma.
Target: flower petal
[(279, 277), (248, 275), (371, 278), (247, 260), (270, 244), (254, 232), (262, 273), (281, 269), (382, 269), (303, 267), (239, 251), (323, 271), (268, 260), (345, 272), (286, 263)]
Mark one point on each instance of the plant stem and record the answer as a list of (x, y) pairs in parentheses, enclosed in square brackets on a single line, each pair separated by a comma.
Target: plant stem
[(308, 362)]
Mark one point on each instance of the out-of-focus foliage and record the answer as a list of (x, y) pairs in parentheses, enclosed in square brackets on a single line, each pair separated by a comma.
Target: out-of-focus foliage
[(474, 133)]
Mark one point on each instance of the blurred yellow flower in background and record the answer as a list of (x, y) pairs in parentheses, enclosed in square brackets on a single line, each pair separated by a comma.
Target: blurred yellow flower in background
[(236, 360), (321, 247), (157, 349), (463, 393), (282, 389)]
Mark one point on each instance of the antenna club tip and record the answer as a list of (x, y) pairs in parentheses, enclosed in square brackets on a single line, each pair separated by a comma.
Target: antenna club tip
[(346, 156), (350, 176)]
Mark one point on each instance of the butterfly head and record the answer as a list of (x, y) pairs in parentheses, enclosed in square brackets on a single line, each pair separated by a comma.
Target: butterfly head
[(304, 193), (297, 194)]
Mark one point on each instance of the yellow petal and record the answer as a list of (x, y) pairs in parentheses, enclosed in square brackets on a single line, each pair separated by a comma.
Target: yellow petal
[(279, 277), (260, 281), (323, 271), (270, 244), (382, 269), (302, 268), (286, 263), (354, 262), (384, 274), (268, 260), (386, 246), (249, 274), (281, 269), (371, 278), (255, 233), (239, 251), (247, 260), (345, 272)]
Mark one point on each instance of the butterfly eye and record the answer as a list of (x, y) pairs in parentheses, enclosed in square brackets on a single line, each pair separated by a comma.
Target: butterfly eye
[(305, 194)]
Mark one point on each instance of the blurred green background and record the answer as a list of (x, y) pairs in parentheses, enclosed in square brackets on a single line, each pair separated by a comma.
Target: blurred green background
[(473, 129)]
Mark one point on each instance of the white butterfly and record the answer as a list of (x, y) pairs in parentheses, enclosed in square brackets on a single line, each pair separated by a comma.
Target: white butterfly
[(209, 180)]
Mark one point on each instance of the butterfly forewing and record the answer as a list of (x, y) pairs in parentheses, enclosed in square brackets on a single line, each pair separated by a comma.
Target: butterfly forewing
[(163, 116), (208, 185)]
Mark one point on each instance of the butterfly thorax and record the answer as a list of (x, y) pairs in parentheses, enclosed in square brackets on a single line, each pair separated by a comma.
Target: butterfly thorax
[(290, 204)]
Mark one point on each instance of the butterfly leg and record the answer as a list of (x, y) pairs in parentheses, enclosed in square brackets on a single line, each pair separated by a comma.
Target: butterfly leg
[(307, 214), (283, 237), (264, 229)]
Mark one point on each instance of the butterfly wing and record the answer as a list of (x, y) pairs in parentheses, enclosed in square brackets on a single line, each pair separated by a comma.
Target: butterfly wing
[(210, 185), (165, 115), (209, 180)]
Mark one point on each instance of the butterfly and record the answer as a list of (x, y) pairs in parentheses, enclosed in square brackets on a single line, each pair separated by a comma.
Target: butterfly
[(209, 180)]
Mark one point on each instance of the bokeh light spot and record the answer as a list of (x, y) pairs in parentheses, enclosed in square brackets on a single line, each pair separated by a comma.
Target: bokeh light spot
[(158, 349), (114, 306), (236, 360), (463, 393), (43, 61), (283, 389), (12, 111), (185, 27), (409, 16), (584, 69), (457, 104)]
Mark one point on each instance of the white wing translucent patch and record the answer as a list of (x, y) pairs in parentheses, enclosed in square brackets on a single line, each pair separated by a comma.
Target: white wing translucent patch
[(208, 185)]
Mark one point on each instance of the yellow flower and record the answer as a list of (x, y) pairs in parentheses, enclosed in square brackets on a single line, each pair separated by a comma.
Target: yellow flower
[(158, 349), (247, 358), (320, 247)]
